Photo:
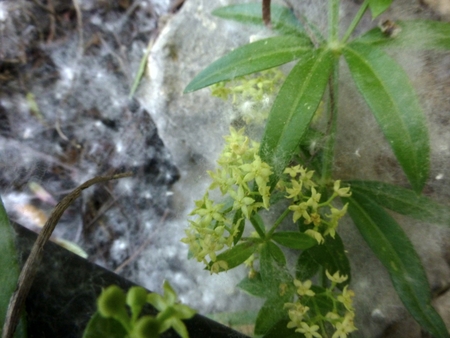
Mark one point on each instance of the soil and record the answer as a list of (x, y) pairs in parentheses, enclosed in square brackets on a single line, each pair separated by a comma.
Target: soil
[(66, 115)]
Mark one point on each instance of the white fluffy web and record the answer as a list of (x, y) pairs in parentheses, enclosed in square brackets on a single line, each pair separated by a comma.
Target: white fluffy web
[(66, 117)]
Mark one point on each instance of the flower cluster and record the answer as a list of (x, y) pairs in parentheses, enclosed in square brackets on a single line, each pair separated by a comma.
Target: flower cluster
[(251, 95), (310, 322), (306, 205), (244, 178)]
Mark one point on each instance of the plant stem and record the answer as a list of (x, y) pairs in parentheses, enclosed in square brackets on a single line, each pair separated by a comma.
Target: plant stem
[(328, 155), (278, 222), (29, 270), (333, 20), (356, 20)]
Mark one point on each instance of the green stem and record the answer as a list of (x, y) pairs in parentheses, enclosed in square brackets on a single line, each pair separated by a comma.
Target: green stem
[(333, 20), (167, 313), (356, 20), (328, 155), (278, 222)]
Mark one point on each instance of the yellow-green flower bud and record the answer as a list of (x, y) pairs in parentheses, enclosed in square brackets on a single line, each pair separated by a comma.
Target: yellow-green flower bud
[(136, 296), (111, 302)]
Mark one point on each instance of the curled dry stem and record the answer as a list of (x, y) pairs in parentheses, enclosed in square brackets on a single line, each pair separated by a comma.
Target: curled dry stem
[(29, 270)]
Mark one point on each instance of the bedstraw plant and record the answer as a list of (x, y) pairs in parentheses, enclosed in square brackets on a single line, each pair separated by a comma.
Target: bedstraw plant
[(313, 298)]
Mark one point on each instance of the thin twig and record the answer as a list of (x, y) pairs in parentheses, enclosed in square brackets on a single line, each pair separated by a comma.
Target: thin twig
[(76, 5), (266, 13), (30, 268)]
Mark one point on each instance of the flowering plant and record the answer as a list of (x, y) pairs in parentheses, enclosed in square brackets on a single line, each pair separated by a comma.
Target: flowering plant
[(287, 168), (112, 318)]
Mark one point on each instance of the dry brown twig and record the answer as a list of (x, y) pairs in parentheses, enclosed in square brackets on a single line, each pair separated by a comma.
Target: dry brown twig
[(29, 270)]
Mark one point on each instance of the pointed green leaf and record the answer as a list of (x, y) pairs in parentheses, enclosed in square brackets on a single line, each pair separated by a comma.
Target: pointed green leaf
[(331, 255), (9, 269), (266, 266), (270, 313), (403, 201), (378, 6), (237, 255), (278, 281), (251, 58), (282, 18), (393, 248), (306, 266), (280, 330), (100, 327), (258, 224), (276, 253), (294, 108), (294, 240), (179, 327), (321, 303), (389, 94), (254, 286), (412, 34)]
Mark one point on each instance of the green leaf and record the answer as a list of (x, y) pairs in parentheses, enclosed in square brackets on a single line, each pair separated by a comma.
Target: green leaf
[(389, 94), (270, 313), (254, 286), (100, 327), (294, 240), (413, 34), (294, 108), (279, 289), (378, 6), (331, 255), (280, 330), (258, 224), (251, 58), (236, 255), (9, 270), (321, 303), (235, 318), (403, 201), (276, 253), (282, 18), (393, 248), (274, 275), (306, 266), (267, 267)]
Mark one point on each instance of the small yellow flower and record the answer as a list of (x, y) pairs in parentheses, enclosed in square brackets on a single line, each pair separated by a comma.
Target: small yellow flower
[(336, 278), (296, 190), (300, 210), (345, 327), (303, 289), (332, 316), (219, 266), (315, 219), (342, 192), (346, 298), (293, 171), (316, 235), (296, 312), (208, 210), (314, 200), (241, 201), (309, 331)]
